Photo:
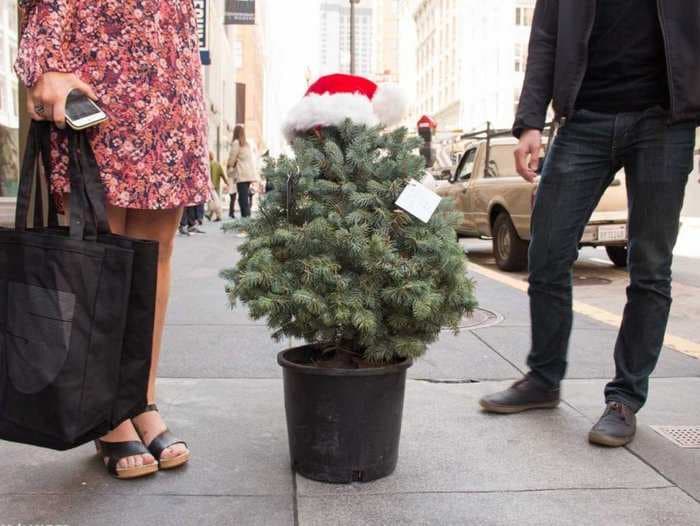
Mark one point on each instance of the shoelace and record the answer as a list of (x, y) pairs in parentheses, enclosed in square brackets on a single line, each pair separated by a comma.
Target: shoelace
[(618, 409)]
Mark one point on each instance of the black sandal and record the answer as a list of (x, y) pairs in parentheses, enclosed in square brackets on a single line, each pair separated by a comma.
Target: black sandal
[(162, 442), (116, 451)]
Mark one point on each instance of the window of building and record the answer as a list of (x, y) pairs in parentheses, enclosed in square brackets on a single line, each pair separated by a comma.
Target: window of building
[(12, 15), (523, 16), (520, 57), (15, 100), (238, 54)]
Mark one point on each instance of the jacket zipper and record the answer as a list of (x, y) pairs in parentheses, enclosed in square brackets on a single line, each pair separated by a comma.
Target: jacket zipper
[(582, 76), (669, 72)]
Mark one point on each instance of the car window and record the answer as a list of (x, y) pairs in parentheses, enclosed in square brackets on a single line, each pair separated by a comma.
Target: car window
[(466, 167), (502, 161)]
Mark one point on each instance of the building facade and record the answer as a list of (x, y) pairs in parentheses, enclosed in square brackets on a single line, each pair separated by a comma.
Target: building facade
[(220, 82), (386, 40), (470, 61), (250, 51), (9, 111), (335, 37)]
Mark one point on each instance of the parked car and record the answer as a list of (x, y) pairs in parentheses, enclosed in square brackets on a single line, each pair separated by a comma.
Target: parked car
[(497, 203)]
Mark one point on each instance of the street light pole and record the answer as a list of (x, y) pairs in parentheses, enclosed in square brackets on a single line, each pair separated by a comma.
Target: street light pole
[(352, 35)]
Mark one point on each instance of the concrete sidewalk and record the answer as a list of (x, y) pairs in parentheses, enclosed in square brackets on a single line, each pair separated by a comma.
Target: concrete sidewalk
[(221, 390)]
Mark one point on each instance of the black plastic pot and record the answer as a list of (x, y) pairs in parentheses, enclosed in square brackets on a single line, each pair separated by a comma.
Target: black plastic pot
[(343, 424)]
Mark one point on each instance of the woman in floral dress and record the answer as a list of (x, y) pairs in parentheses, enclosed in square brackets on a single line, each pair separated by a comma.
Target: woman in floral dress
[(139, 60)]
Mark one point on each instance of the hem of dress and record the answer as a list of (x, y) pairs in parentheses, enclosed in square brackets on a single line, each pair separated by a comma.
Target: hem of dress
[(183, 203)]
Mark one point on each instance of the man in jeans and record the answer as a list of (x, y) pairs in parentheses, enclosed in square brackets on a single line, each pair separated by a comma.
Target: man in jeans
[(624, 79)]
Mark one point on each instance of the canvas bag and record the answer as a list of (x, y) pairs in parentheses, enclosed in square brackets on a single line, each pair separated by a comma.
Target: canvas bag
[(71, 365)]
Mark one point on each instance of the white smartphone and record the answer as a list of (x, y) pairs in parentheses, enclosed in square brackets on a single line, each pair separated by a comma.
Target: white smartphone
[(81, 112)]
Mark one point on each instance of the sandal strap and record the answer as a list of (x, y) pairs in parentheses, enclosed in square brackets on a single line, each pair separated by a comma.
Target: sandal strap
[(116, 451), (162, 442)]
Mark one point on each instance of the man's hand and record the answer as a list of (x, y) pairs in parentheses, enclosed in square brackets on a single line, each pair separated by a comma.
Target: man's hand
[(530, 145), (46, 100)]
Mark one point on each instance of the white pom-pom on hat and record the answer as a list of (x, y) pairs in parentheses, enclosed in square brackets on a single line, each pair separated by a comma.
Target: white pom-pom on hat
[(389, 104), (333, 98)]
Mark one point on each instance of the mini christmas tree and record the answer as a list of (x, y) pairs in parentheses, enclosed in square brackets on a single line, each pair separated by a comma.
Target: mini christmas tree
[(331, 259)]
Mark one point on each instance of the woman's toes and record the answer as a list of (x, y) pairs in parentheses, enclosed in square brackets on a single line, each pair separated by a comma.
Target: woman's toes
[(138, 461), (148, 460), (174, 451)]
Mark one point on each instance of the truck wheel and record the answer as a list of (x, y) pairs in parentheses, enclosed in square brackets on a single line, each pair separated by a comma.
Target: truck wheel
[(618, 255), (509, 249)]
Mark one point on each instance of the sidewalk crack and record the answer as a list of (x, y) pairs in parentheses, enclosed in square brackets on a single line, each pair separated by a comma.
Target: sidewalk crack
[(509, 362), (295, 499)]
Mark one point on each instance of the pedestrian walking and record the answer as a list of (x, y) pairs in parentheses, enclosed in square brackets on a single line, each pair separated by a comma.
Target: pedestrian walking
[(190, 221), (241, 170), (624, 78), (233, 195), (218, 176), (152, 152)]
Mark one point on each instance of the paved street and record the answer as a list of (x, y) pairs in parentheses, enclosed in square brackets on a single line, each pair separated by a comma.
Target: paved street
[(221, 390)]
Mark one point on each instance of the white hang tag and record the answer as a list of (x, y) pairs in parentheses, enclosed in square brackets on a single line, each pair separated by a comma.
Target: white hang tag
[(419, 201)]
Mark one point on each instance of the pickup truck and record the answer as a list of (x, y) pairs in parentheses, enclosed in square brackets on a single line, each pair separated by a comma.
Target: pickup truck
[(496, 203)]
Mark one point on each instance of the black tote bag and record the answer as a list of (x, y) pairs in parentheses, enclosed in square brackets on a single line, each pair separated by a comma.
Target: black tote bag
[(71, 365)]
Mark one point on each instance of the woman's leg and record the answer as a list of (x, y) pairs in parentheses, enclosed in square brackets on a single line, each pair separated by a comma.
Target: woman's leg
[(161, 226), (232, 206), (244, 198), (125, 431)]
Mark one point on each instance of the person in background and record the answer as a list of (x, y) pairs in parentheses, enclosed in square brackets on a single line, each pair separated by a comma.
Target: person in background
[(241, 169), (233, 195), (217, 174), (190, 221), (217, 177), (269, 187), (199, 216), (139, 65), (624, 79)]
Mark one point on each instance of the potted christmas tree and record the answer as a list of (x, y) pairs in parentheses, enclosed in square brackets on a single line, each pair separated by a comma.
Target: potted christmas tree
[(331, 259)]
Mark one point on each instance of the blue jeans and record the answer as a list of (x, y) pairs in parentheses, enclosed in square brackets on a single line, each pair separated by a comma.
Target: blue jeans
[(582, 162)]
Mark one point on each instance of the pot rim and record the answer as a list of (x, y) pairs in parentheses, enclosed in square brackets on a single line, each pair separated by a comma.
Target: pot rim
[(309, 369)]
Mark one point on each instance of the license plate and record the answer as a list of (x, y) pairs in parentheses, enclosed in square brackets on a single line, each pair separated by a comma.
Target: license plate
[(612, 233)]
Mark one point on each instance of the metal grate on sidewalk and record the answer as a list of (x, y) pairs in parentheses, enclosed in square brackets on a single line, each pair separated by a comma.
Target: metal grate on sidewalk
[(682, 436)]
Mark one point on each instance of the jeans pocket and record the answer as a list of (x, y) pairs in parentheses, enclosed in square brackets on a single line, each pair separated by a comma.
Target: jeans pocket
[(666, 154)]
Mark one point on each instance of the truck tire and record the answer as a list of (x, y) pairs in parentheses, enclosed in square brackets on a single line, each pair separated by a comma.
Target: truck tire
[(618, 255), (509, 249)]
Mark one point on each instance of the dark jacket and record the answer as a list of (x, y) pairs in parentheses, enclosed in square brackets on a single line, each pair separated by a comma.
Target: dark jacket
[(558, 56)]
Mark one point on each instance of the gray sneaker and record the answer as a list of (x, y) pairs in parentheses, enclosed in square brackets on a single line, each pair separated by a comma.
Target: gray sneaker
[(615, 428), (523, 395)]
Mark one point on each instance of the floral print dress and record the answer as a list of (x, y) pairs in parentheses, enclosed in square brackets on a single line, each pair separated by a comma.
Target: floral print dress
[(141, 57)]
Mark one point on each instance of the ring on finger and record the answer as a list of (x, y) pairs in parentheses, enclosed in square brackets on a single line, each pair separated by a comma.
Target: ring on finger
[(39, 109)]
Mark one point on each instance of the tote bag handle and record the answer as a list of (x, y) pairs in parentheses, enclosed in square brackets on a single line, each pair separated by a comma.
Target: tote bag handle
[(29, 175), (87, 202), (88, 212)]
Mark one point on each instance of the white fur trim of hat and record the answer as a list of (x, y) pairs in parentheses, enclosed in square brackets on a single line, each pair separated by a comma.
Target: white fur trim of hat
[(333, 98)]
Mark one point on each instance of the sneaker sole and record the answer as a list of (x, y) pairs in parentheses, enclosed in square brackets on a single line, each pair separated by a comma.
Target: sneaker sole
[(511, 409), (594, 437)]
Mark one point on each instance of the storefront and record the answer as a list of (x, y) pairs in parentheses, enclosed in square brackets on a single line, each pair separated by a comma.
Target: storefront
[(9, 112)]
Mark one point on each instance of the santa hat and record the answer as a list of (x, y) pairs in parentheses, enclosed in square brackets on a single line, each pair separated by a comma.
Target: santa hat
[(333, 98)]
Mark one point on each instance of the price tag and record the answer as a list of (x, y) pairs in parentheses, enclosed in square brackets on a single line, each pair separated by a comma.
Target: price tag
[(419, 201)]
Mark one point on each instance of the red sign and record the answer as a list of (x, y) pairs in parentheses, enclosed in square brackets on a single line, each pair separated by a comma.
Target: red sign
[(427, 122)]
